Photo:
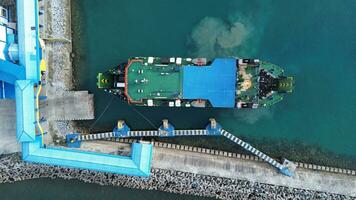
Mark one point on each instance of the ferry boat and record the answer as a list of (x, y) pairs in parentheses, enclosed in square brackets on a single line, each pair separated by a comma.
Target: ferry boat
[(197, 82)]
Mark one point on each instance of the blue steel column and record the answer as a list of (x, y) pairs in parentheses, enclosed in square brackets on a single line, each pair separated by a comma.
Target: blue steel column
[(28, 38)]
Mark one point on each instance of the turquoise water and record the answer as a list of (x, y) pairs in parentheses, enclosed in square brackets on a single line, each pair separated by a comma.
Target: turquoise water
[(312, 40), (59, 189)]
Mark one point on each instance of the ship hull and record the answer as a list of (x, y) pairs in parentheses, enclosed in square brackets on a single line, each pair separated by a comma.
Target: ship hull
[(186, 82)]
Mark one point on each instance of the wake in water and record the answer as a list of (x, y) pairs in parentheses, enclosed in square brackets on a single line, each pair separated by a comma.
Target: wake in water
[(213, 37), (250, 116)]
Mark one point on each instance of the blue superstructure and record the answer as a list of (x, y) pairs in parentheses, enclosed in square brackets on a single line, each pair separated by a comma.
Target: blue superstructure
[(9, 71), (22, 78), (29, 49), (25, 111), (168, 130), (138, 164), (7, 90), (216, 83)]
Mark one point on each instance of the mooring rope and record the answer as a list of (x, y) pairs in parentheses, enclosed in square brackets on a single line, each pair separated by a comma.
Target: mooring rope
[(144, 117), (102, 113)]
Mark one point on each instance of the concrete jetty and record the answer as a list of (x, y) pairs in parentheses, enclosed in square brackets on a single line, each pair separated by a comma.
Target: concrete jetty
[(13, 169), (71, 105), (8, 142), (209, 162), (251, 170)]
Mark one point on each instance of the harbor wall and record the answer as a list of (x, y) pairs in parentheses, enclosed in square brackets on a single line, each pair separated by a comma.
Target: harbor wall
[(223, 164), (230, 165), (227, 154), (12, 169)]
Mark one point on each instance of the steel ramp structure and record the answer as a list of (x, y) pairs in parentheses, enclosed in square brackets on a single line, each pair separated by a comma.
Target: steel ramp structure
[(167, 130)]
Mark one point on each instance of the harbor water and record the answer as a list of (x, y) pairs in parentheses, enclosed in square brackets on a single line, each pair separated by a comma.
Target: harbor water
[(312, 40), (58, 189)]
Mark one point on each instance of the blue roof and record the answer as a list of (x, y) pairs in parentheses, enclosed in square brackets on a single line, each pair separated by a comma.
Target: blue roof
[(216, 83), (25, 111), (139, 164)]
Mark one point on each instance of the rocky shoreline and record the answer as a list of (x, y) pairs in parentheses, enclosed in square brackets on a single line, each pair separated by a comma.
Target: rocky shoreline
[(13, 169)]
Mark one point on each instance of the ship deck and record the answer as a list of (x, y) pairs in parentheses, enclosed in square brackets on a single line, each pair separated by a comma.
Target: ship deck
[(248, 83), (153, 81), (162, 79)]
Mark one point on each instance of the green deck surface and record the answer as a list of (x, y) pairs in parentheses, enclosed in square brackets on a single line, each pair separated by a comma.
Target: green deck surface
[(104, 81), (272, 68), (161, 82)]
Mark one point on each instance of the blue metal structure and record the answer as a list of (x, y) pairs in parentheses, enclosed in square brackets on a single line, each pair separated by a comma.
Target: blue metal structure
[(138, 164), (29, 49), (216, 82), (9, 71), (25, 111), (7, 91), (168, 130), (26, 76), (72, 140)]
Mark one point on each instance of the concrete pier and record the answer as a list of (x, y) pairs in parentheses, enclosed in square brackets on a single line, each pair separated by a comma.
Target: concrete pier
[(8, 143), (251, 170), (72, 105), (215, 163)]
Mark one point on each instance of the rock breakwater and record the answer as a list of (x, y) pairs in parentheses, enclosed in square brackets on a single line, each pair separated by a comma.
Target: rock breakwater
[(12, 169)]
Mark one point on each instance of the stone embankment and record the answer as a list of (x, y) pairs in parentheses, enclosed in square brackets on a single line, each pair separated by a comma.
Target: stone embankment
[(12, 169), (57, 51)]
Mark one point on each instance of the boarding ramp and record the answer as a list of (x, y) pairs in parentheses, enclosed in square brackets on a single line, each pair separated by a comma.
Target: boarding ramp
[(153, 133), (167, 130), (71, 105)]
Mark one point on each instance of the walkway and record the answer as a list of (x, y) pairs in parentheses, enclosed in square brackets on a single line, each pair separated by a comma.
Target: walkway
[(167, 130), (256, 171), (8, 143)]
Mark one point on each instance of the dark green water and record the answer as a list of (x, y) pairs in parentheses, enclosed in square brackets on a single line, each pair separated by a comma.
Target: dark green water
[(59, 189), (313, 40)]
